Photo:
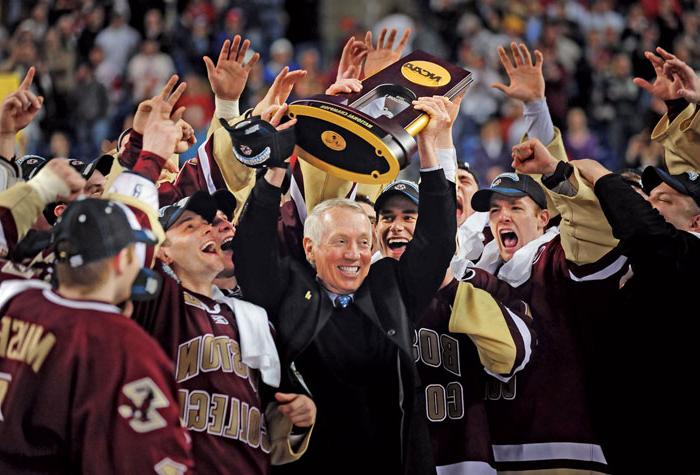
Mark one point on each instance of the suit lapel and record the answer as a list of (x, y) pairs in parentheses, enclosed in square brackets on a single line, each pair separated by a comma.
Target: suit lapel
[(363, 301)]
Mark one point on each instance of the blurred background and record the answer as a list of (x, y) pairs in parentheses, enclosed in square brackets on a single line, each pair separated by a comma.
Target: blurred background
[(96, 60)]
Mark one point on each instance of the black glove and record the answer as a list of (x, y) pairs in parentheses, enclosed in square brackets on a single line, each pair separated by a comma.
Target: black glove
[(257, 144)]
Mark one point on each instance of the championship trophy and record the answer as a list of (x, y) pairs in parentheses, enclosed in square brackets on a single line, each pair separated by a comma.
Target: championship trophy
[(368, 136)]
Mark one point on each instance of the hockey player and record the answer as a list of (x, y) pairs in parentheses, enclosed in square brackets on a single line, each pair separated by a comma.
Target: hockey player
[(82, 387)]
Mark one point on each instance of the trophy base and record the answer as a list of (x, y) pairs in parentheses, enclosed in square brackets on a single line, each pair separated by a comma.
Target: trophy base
[(353, 145)]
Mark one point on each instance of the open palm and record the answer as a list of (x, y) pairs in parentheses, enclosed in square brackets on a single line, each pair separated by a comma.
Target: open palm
[(526, 79), (230, 74), (665, 86), (383, 54)]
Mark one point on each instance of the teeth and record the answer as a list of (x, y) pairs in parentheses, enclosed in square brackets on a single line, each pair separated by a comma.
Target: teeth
[(209, 247), (227, 240), (354, 269)]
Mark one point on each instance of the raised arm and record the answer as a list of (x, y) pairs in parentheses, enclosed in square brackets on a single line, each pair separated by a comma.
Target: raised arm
[(427, 257), (585, 233), (679, 129)]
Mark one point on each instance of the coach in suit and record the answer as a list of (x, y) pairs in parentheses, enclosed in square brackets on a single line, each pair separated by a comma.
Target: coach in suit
[(348, 328)]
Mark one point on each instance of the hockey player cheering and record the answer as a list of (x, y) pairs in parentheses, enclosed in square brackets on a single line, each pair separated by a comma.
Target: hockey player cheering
[(463, 332), (542, 418), (222, 347)]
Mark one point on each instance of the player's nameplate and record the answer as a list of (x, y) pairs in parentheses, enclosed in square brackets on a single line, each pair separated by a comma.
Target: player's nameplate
[(368, 136)]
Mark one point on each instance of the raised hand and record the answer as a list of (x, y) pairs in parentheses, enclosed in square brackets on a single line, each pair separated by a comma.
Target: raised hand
[(187, 138), (531, 157), (230, 74), (666, 85), (20, 107), (383, 55), (350, 65), (526, 79), (686, 82), (168, 95), (274, 115), (442, 114), (344, 86), (280, 90), (161, 133), (298, 408)]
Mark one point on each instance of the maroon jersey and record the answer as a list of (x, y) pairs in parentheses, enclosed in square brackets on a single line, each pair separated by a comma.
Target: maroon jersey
[(83, 389), (542, 417), (453, 377), (219, 398)]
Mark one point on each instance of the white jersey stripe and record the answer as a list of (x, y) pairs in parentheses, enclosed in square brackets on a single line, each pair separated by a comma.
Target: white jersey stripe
[(603, 273), (466, 468), (83, 305), (549, 451), (526, 337), (206, 166)]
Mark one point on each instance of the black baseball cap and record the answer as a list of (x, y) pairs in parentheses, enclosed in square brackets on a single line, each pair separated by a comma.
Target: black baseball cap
[(687, 183), (404, 188), (225, 202), (102, 164), (199, 202), (509, 184), (92, 229), (30, 165), (258, 144), (464, 165)]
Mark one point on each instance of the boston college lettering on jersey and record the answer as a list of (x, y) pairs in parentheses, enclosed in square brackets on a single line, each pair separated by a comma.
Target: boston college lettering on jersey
[(224, 416)]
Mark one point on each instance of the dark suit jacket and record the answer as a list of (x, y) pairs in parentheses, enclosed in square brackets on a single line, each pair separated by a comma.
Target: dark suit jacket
[(393, 295)]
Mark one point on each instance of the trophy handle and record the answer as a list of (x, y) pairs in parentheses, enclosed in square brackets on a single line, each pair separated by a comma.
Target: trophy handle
[(417, 125)]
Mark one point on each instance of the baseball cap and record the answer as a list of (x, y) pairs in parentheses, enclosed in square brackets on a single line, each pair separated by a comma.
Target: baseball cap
[(687, 183), (464, 165), (200, 202), (225, 202), (509, 184), (404, 188), (102, 164), (30, 165), (257, 143), (92, 229)]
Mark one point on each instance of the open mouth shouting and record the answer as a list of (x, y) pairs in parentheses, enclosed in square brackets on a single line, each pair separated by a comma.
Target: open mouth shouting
[(396, 246), (509, 240)]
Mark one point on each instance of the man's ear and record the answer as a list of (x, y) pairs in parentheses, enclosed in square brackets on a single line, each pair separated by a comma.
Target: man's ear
[(543, 218), (58, 210), (122, 260), (163, 253), (308, 249), (695, 223)]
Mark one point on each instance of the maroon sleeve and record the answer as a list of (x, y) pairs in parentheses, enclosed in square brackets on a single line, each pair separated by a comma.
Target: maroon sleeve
[(132, 150), (126, 409)]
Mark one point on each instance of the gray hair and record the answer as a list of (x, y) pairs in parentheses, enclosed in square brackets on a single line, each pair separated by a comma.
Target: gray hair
[(314, 226)]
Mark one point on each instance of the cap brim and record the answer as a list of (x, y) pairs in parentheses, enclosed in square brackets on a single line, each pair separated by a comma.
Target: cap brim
[(145, 236), (388, 194), (481, 200), (653, 177), (201, 203)]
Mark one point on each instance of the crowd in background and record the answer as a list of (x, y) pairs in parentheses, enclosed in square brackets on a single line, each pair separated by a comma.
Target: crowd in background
[(96, 60)]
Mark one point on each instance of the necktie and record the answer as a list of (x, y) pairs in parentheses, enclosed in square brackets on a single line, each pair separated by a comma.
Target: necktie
[(342, 301)]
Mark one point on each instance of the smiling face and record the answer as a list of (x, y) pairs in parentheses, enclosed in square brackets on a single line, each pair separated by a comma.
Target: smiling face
[(343, 254), (466, 187), (192, 250), (395, 226), (677, 209), (515, 222)]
